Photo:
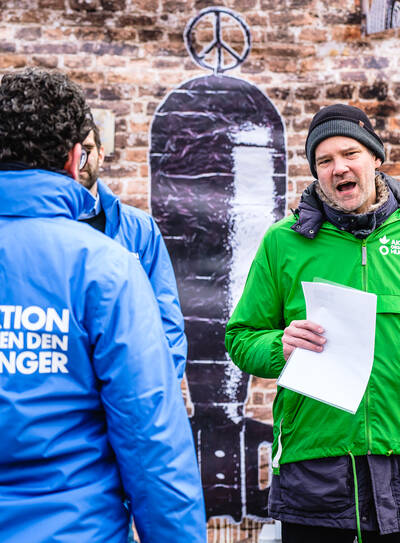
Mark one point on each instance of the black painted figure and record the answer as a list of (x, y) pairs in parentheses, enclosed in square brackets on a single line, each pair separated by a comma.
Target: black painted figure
[(218, 168)]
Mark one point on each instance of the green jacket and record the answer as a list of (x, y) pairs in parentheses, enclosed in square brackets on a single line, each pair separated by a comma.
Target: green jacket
[(305, 428)]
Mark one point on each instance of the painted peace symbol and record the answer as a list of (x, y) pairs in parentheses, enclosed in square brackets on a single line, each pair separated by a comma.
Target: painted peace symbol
[(217, 43)]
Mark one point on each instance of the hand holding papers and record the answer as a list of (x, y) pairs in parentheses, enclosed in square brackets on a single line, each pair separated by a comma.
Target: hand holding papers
[(339, 374)]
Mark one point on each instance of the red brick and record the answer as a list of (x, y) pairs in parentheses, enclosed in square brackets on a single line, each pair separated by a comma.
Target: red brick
[(394, 155), (263, 414), (50, 48), (57, 34), (136, 155), (388, 136), (153, 34), (7, 47), (244, 4), (82, 17), (341, 92), (45, 61), (285, 65), (78, 61), (136, 20), (12, 61), (125, 35), (91, 33), (135, 185), (167, 63), (113, 5), (375, 63), (112, 61), (144, 171), (256, 19), (299, 170), (378, 90), (353, 76), (28, 33), (307, 93), (104, 48), (51, 4), (29, 16), (347, 33), (313, 107), (338, 15), (86, 76), (278, 93), (316, 35), (377, 109), (394, 124), (291, 110), (291, 19), (347, 62), (289, 50), (301, 125), (87, 5), (121, 141), (303, 4), (391, 169), (279, 36), (257, 398), (253, 66)]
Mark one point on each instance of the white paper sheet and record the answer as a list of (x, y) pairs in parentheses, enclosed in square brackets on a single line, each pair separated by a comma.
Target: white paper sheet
[(339, 374)]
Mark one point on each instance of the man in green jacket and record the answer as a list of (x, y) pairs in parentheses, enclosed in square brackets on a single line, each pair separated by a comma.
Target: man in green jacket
[(336, 475)]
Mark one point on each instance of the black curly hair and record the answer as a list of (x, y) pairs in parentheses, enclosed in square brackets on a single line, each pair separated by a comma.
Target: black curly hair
[(42, 116)]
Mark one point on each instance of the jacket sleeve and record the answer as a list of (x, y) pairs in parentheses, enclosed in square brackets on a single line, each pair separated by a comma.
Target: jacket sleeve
[(147, 423), (157, 264), (254, 332)]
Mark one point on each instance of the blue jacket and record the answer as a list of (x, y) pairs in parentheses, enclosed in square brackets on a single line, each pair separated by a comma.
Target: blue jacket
[(139, 233), (92, 417)]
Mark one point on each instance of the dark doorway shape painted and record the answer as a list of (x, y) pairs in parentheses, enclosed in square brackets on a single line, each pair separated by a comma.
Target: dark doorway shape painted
[(218, 181)]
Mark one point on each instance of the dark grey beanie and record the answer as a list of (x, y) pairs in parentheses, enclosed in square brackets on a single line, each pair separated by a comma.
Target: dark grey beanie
[(341, 120)]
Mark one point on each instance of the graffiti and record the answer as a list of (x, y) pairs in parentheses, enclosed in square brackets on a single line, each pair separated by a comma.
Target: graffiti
[(218, 181), (381, 15), (218, 43)]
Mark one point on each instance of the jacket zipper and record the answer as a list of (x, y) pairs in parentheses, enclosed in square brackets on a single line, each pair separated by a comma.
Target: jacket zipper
[(364, 260)]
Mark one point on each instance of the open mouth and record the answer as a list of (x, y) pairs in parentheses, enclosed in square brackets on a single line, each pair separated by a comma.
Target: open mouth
[(346, 186)]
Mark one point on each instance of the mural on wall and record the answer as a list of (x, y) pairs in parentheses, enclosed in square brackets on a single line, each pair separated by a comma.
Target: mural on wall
[(218, 181), (381, 15)]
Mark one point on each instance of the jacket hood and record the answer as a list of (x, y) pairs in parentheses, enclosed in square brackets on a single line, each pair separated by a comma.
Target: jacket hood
[(33, 193), (311, 212)]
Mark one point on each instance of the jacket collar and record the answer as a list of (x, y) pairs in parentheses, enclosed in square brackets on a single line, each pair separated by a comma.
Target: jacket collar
[(312, 213), (111, 206), (41, 193)]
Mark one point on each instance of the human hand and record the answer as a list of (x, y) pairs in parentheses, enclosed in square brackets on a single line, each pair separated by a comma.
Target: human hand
[(304, 334)]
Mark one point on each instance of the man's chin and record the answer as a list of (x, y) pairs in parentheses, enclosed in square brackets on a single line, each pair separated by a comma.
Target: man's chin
[(86, 182)]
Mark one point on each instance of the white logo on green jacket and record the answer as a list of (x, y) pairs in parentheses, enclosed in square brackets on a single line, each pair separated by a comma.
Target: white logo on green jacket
[(392, 248)]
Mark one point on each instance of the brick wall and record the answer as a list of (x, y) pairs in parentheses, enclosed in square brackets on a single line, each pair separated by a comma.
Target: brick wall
[(128, 54)]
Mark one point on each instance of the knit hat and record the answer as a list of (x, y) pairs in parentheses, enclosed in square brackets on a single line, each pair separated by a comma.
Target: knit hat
[(341, 120)]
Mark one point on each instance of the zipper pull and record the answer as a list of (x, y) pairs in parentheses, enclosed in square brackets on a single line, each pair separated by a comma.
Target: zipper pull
[(364, 255)]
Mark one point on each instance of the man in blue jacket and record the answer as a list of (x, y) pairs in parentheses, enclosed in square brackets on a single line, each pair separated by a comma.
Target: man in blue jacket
[(93, 424), (136, 231)]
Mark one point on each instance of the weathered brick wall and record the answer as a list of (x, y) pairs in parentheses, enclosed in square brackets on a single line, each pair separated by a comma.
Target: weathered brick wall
[(128, 54)]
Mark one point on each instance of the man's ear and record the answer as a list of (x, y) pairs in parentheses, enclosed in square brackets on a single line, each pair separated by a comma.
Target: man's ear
[(378, 162), (101, 156), (72, 164)]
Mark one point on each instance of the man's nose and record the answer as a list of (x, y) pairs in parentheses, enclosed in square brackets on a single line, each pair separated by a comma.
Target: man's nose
[(340, 166)]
